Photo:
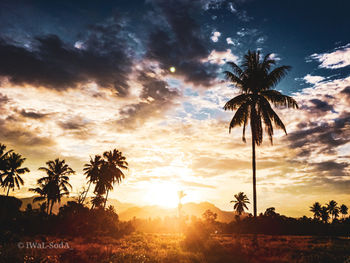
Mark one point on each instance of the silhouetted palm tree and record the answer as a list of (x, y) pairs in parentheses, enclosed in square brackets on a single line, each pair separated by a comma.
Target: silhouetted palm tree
[(92, 171), (56, 181), (256, 83), (240, 202), (180, 194), (97, 201), (324, 214), (42, 190), (316, 209), (111, 170), (343, 210), (333, 209), (13, 170), (3, 160)]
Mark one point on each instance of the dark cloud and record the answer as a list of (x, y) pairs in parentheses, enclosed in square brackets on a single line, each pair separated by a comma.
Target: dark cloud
[(321, 105), (32, 114), (156, 97), (181, 43), (51, 63), (76, 123), (15, 134), (332, 168)]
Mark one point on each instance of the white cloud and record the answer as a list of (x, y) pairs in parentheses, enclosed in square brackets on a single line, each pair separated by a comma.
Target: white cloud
[(231, 41), (337, 59), (275, 57), (260, 40), (313, 79), (221, 57), (215, 36)]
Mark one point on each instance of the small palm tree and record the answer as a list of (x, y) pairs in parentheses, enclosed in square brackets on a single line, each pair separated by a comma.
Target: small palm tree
[(316, 209), (56, 182), (240, 202), (324, 214), (42, 190), (256, 83), (181, 194), (13, 172), (92, 171), (343, 210), (3, 160), (333, 209)]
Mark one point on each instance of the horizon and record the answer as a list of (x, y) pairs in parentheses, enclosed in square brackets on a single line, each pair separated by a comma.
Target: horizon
[(78, 79)]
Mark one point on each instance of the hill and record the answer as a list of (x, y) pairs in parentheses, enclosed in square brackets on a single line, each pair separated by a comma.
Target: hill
[(128, 211)]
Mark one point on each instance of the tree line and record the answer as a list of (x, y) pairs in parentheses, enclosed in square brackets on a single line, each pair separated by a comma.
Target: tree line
[(103, 171)]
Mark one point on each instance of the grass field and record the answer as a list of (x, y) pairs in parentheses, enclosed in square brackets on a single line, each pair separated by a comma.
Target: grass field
[(147, 248)]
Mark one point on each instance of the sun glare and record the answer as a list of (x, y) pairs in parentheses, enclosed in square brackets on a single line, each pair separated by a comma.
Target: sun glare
[(163, 194)]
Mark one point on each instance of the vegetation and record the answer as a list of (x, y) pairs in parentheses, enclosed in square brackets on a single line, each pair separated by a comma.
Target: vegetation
[(240, 203), (256, 82), (11, 169)]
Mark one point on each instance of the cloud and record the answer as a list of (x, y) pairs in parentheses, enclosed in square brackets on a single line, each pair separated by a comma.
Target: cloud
[(339, 58), (221, 57), (215, 36), (49, 62), (155, 99), (231, 41), (33, 114), (179, 42), (313, 79)]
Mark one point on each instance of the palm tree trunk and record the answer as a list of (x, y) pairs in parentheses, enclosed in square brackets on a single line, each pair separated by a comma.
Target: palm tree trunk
[(254, 174), (52, 203), (86, 193), (47, 206), (104, 206), (8, 190)]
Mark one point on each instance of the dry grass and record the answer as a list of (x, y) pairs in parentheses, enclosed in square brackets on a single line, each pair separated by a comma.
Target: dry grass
[(149, 248)]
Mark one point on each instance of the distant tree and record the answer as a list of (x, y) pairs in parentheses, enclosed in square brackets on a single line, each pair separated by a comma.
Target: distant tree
[(343, 210), (209, 216), (316, 209), (3, 160), (42, 190), (56, 181), (13, 171), (252, 105), (97, 201), (324, 214), (271, 211), (181, 194), (333, 209), (240, 202)]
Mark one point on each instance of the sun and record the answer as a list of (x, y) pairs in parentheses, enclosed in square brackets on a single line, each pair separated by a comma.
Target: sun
[(163, 194), (172, 69)]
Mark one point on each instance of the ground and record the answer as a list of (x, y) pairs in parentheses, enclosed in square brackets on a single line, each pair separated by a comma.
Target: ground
[(162, 248)]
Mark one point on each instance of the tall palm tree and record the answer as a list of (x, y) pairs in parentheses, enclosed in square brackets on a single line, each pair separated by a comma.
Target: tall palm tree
[(56, 181), (3, 160), (333, 209), (111, 170), (13, 172), (343, 210), (316, 209), (256, 82), (324, 214), (92, 171), (240, 203)]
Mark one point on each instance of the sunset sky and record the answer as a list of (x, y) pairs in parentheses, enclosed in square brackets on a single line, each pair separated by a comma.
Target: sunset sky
[(78, 78)]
